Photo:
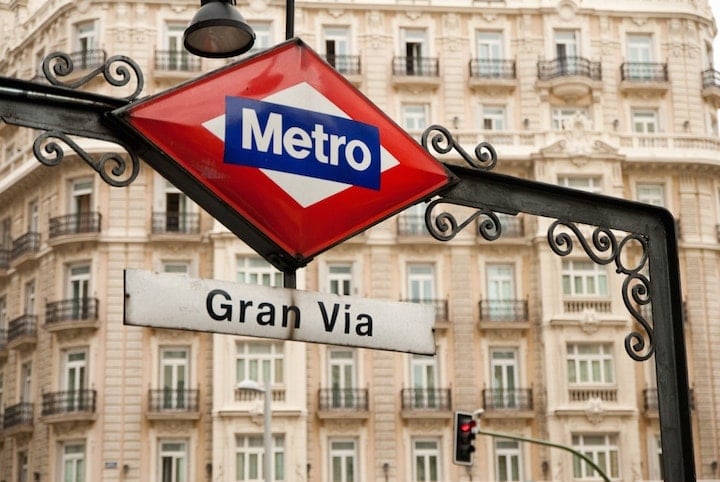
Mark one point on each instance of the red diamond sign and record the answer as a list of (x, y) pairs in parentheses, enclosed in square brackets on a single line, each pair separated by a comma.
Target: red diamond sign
[(284, 151)]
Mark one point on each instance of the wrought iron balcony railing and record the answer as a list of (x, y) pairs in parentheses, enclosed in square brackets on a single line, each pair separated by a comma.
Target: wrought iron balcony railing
[(75, 224), (3, 340), (170, 222), (492, 69), (566, 66), (25, 325), (57, 403), (507, 399), (426, 398), (343, 399), (71, 309), (5, 256), (173, 400), (503, 310), (651, 402), (440, 306), (416, 66), (711, 78), (511, 226), (644, 72), (27, 243), (20, 414), (345, 64), (412, 225), (177, 61), (88, 59)]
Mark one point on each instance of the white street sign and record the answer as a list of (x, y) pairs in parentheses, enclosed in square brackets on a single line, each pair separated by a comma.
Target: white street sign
[(164, 300)]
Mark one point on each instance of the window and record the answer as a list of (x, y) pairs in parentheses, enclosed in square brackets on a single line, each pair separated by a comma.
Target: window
[(414, 116), (426, 460), (583, 278), (263, 36), (413, 42), (177, 212), (340, 279), (79, 290), (26, 382), (504, 372), (2, 388), (424, 381), (259, 361), (421, 282), (590, 363), (174, 377), (173, 461), (6, 234), (75, 378), (337, 47), (562, 117), (256, 271), (33, 219), (651, 193), (601, 449), (29, 301), (492, 118), (22, 466), (507, 461), (176, 267), (645, 121), (341, 371), (656, 458), (249, 453), (81, 196), (3, 315), (412, 221), (343, 461), (86, 38), (73, 461), (589, 184), (501, 292), (639, 56), (490, 53)]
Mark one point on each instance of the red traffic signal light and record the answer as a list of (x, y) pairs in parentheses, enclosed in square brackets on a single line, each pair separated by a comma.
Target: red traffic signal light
[(464, 440)]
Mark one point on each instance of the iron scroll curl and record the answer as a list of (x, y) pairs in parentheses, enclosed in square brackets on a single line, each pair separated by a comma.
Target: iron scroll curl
[(442, 142)]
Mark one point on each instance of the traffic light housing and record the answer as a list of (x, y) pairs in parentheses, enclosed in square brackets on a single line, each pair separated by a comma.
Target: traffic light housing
[(464, 442)]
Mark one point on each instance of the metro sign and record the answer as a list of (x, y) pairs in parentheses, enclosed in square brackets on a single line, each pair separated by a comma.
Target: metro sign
[(285, 152)]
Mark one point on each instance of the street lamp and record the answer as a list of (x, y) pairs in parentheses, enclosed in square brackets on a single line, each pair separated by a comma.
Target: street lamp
[(253, 386), (218, 31)]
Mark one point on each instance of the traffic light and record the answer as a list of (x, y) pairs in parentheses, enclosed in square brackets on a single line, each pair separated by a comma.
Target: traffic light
[(464, 445)]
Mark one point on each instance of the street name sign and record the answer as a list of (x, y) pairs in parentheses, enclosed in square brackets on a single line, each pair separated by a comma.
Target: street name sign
[(165, 300), (284, 151)]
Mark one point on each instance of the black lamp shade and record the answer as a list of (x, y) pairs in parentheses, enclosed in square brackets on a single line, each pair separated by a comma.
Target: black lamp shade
[(218, 31)]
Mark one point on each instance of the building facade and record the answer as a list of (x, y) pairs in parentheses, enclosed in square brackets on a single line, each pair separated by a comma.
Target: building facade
[(618, 98)]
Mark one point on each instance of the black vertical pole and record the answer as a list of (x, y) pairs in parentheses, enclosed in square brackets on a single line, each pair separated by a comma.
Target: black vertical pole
[(289, 19), (289, 279)]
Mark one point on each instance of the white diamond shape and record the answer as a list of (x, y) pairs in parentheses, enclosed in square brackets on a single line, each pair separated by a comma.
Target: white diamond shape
[(306, 191)]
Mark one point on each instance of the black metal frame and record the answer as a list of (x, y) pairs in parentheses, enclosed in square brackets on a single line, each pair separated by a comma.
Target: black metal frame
[(60, 111)]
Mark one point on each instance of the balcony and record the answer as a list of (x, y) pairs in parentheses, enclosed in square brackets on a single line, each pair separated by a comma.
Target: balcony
[(440, 307), (582, 305), (347, 65), (508, 402), (18, 419), (343, 403), (416, 72), (173, 404), (711, 87), (412, 225), (493, 75), (175, 223), (174, 63), (75, 224), (78, 313), (644, 78), (22, 332), (510, 226), (69, 406), (569, 77), (88, 59), (583, 394), (651, 402), (5, 257), (426, 402), (504, 315), (3, 345), (25, 245)]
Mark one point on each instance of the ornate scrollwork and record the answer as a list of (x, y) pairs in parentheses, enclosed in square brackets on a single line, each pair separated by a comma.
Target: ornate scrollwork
[(442, 142), (117, 70), (112, 167), (445, 227), (606, 249)]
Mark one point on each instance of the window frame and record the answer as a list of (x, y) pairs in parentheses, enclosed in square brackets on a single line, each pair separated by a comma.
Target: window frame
[(274, 357), (579, 363)]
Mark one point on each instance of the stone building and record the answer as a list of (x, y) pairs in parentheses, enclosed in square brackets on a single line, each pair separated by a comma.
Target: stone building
[(618, 98)]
